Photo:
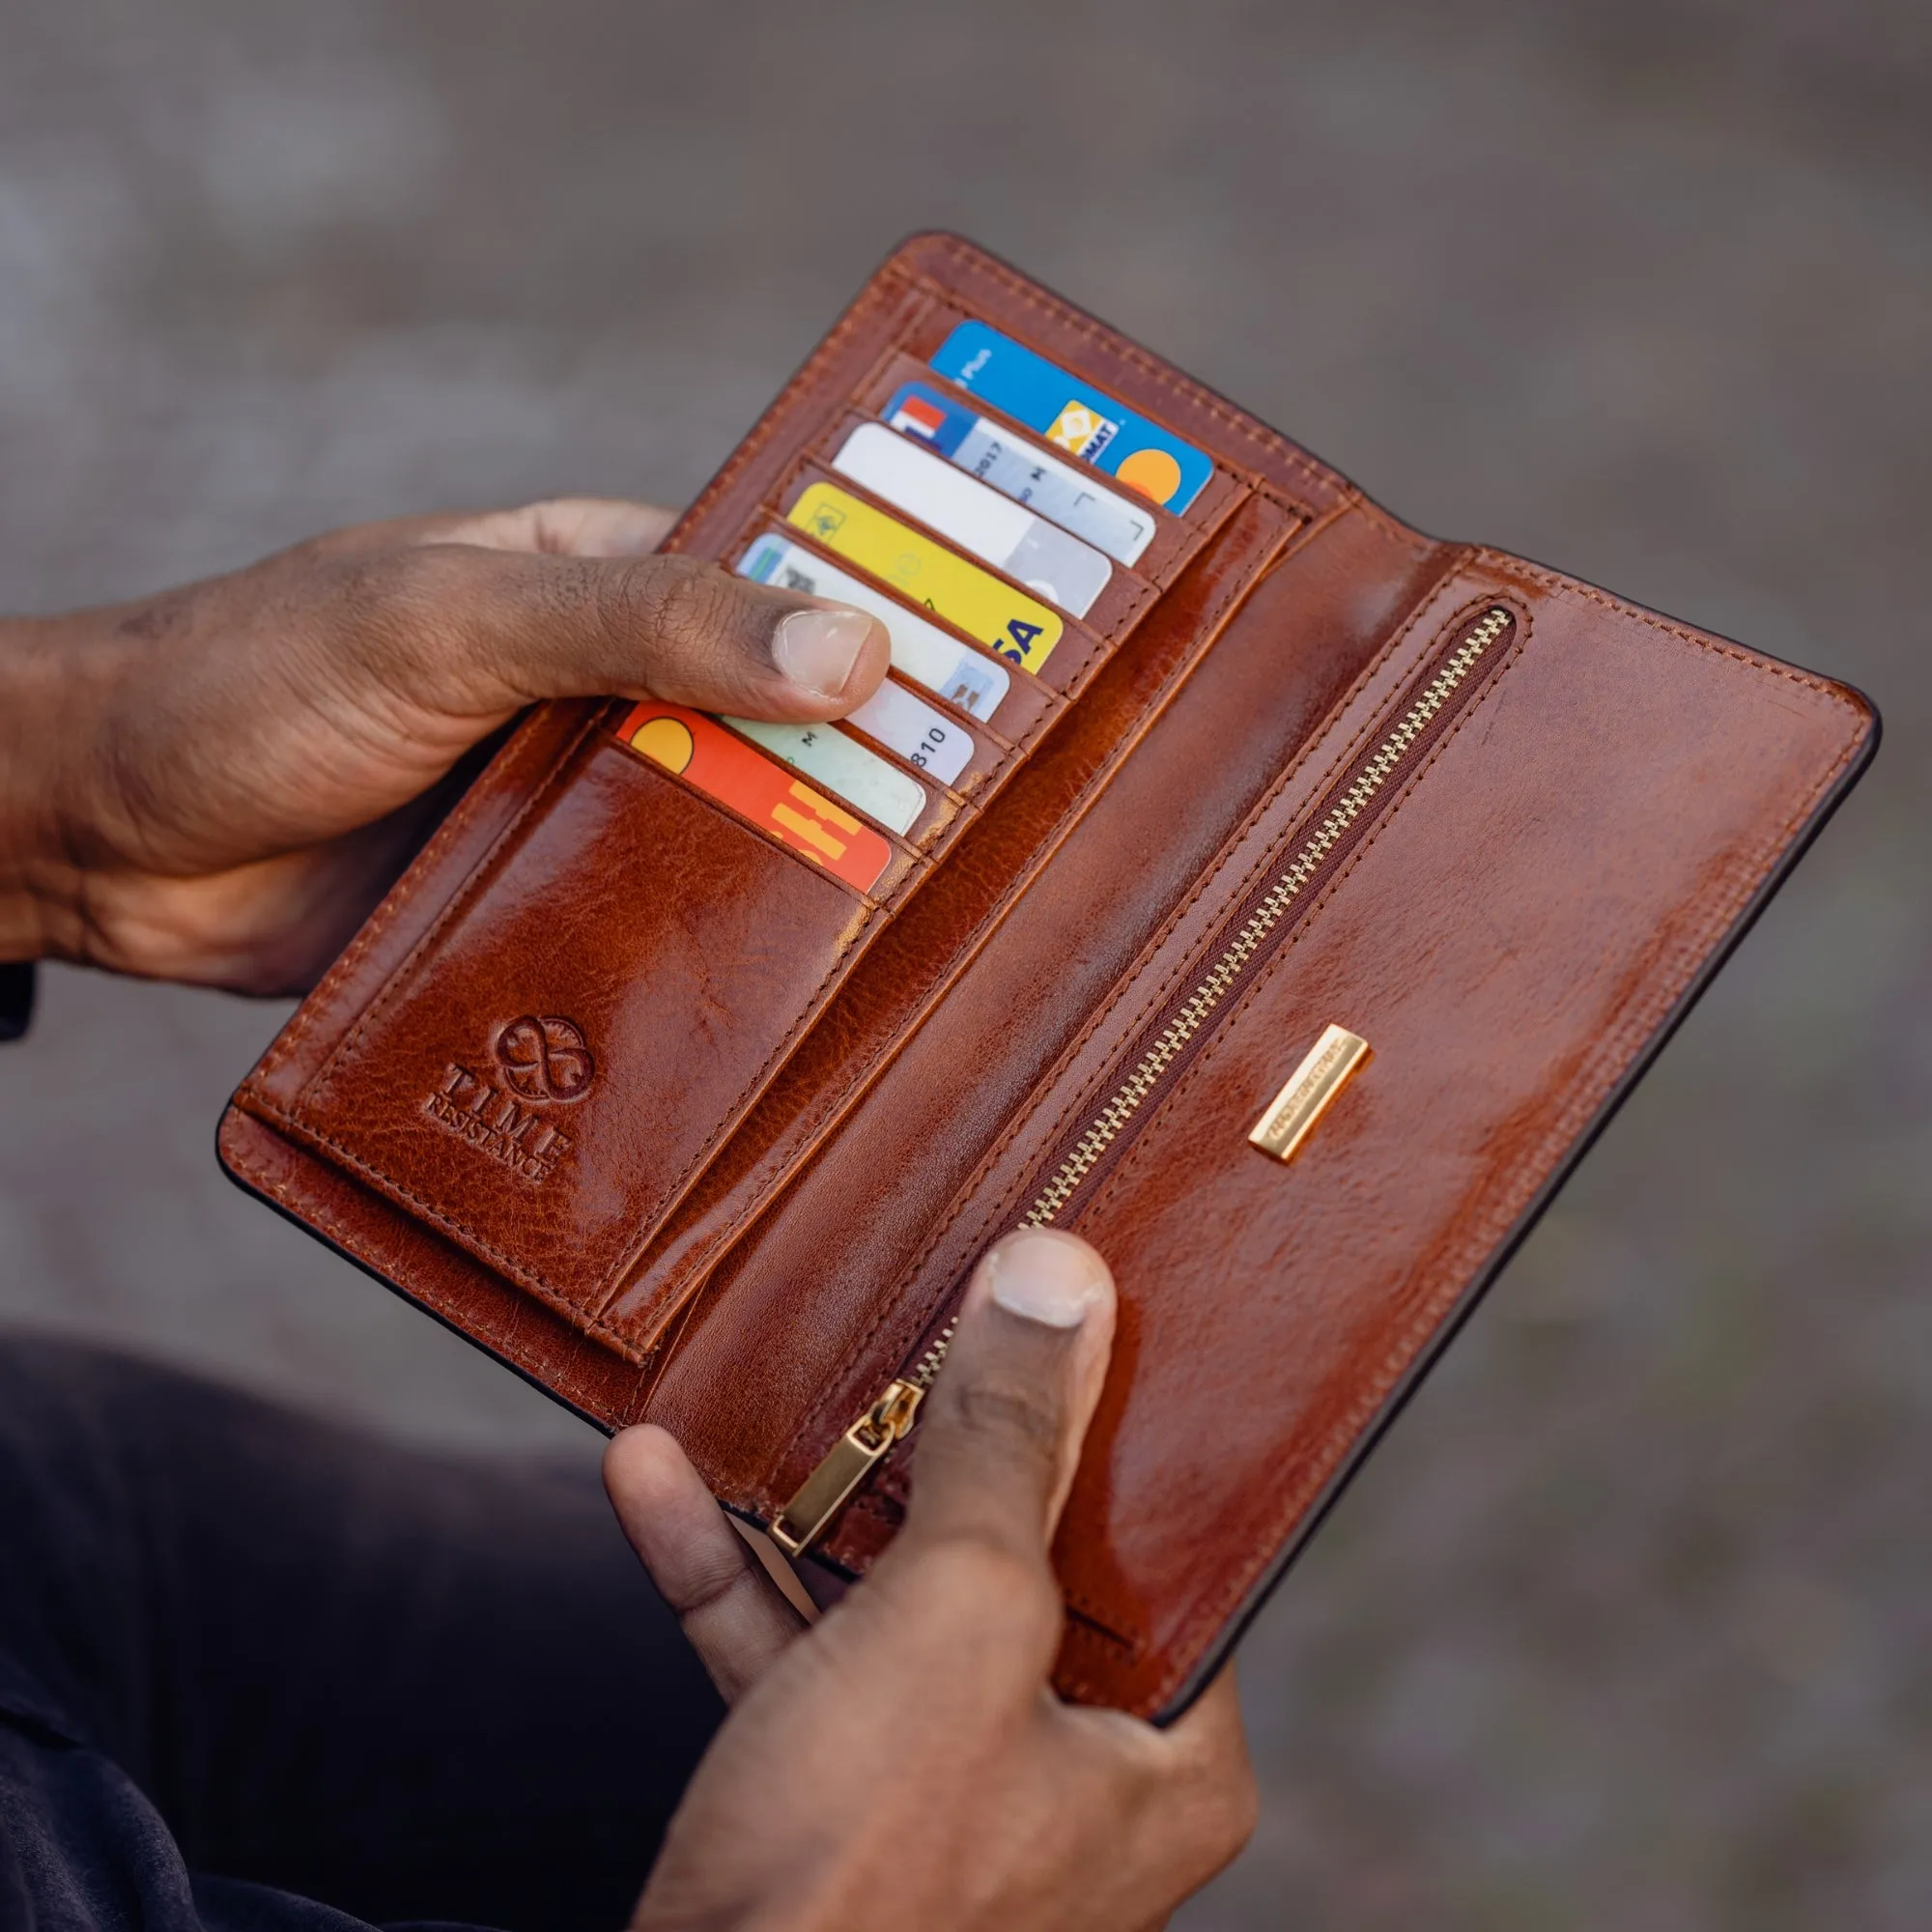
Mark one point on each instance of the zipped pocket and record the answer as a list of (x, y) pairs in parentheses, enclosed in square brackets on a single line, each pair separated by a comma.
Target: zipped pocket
[(1066, 1179)]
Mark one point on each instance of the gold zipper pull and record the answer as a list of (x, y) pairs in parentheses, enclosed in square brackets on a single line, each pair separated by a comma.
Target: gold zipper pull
[(846, 1464)]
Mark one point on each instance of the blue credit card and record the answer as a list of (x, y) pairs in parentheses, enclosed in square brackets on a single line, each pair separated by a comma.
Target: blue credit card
[(1073, 416)]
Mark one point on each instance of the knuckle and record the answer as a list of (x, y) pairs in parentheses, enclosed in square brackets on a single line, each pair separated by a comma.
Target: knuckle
[(685, 606), (1220, 1803), (1234, 1810), (709, 1581), (1022, 1418)]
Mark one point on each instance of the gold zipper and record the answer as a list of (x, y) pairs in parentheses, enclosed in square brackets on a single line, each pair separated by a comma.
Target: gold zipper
[(1195, 1010), (853, 1457), (856, 1453)]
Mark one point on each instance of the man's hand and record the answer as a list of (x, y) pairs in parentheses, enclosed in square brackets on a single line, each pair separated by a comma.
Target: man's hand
[(216, 784), (905, 1762)]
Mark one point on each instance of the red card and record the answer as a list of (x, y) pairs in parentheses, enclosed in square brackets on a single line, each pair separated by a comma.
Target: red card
[(723, 767)]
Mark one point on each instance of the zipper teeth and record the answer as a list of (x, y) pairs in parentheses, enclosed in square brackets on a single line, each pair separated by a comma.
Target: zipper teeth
[(929, 1363), (1195, 1011)]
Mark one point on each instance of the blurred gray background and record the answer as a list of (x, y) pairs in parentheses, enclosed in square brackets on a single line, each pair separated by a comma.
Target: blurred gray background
[(1628, 1624)]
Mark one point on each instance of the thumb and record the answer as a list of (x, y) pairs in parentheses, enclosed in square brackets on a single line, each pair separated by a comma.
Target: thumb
[(493, 630), (1003, 1424)]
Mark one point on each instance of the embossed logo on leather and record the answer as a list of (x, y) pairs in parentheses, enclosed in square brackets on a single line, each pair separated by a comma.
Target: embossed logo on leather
[(541, 1059), (545, 1059)]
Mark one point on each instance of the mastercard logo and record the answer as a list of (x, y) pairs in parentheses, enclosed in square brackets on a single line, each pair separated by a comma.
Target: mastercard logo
[(1153, 473)]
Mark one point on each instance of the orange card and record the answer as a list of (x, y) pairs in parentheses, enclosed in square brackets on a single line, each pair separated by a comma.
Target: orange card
[(706, 755)]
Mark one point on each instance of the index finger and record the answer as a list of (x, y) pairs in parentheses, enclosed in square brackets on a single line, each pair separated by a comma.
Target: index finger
[(737, 1620), (567, 527)]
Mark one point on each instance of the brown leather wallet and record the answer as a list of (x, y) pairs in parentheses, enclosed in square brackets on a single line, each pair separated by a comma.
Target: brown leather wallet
[(680, 1125)]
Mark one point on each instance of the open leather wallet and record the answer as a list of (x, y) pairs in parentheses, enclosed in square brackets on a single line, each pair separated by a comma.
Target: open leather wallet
[(1283, 908)]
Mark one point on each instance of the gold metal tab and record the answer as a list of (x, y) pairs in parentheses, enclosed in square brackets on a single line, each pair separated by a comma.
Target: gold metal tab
[(1316, 1082), (846, 1464)]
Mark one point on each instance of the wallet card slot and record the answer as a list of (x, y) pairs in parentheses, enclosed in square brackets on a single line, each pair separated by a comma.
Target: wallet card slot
[(1061, 567), (926, 336), (1109, 614), (764, 794), (990, 451), (814, 814), (998, 699), (608, 996), (881, 542), (928, 739), (861, 777)]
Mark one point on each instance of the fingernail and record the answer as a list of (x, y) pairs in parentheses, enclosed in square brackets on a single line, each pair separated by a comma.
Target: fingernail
[(1046, 1277), (818, 648)]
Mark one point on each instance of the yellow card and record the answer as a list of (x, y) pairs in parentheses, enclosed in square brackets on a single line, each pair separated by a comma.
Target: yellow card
[(1009, 624)]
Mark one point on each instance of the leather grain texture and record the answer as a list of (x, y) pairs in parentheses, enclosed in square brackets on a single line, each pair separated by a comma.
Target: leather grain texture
[(679, 1126)]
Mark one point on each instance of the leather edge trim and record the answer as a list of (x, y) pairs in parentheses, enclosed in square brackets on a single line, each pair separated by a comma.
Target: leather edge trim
[(320, 1223), (914, 254)]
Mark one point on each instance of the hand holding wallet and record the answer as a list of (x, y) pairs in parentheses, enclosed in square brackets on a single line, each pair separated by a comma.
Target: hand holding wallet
[(1276, 896)]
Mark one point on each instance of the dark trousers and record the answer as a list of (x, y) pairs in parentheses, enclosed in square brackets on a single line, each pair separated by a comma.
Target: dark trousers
[(238, 1644)]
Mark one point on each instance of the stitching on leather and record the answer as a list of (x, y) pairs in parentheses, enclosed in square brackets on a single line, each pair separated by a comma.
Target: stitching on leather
[(543, 1367), (592, 1322), (1100, 645), (1611, 1059), (1082, 1684), (1559, 585), (1257, 869), (1163, 375), (524, 1277), (1613, 1055), (1001, 1205), (1207, 630)]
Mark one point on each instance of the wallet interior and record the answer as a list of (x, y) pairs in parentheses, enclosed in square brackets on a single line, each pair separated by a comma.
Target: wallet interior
[(685, 1128)]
